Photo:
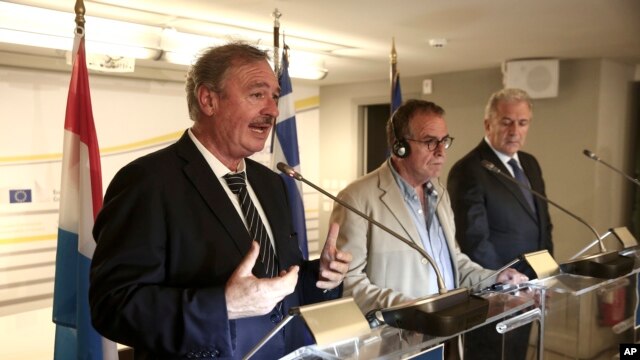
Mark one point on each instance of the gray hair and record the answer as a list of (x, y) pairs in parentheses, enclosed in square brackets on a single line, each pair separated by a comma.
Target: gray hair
[(507, 95), (398, 124), (212, 66)]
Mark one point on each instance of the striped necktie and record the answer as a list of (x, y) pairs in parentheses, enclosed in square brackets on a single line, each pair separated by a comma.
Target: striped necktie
[(522, 178), (258, 232)]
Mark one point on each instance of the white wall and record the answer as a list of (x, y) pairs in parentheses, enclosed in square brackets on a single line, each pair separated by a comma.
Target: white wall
[(592, 110), (132, 117)]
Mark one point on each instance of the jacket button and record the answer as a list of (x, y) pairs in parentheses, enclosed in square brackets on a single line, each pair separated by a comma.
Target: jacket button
[(424, 261)]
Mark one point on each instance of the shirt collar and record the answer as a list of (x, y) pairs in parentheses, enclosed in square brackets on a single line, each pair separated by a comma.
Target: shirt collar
[(216, 165), (503, 157), (407, 190)]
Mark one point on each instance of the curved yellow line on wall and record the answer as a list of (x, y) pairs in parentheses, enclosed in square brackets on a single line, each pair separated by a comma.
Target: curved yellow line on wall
[(28, 239), (300, 105), (112, 150), (30, 158), (154, 141), (308, 103)]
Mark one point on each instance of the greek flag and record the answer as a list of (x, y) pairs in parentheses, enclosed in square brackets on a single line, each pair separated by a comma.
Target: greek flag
[(285, 149), (396, 94)]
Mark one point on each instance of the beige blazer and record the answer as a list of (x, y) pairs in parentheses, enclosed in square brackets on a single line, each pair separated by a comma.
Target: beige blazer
[(384, 270)]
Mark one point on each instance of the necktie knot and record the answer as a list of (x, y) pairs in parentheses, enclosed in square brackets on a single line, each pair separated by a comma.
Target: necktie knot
[(514, 164), (236, 181)]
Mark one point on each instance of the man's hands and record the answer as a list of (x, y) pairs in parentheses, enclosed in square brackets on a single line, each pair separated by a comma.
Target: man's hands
[(511, 276), (246, 295), (334, 263)]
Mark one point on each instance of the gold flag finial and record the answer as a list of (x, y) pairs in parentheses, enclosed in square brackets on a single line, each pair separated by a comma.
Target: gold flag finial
[(80, 11)]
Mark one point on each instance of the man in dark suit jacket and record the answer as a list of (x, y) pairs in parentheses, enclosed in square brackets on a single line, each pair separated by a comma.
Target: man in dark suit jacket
[(496, 220), (176, 273)]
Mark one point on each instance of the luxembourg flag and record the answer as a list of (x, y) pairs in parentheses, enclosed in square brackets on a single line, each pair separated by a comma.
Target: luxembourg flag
[(80, 201), (285, 149)]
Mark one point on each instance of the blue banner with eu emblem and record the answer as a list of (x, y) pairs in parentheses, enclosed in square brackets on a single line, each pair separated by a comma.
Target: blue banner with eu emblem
[(19, 196)]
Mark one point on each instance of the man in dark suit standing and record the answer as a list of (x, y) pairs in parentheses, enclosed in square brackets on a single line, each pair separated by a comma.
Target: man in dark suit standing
[(196, 256), (496, 220)]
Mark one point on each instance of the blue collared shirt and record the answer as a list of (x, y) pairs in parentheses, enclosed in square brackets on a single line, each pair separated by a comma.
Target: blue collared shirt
[(432, 238)]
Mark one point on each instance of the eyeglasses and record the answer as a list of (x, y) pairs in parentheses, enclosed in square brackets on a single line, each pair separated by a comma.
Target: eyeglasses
[(433, 144)]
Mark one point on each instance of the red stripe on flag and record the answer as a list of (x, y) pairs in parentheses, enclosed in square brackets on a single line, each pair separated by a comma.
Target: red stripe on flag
[(79, 120)]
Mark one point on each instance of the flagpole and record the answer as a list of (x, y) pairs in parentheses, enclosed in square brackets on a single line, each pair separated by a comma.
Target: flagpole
[(80, 11), (276, 58), (393, 60), (79, 30), (276, 41)]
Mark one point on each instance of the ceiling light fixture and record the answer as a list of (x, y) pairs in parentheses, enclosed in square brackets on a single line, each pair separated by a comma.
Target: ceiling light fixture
[(51, 29), (438, 43)]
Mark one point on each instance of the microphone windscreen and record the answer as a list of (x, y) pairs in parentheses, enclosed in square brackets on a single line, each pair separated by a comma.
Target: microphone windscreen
[(489, 166), (590, 154)]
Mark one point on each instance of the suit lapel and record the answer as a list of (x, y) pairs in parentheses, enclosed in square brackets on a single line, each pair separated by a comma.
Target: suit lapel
[(392, 198), (486, 153), (206, 183)]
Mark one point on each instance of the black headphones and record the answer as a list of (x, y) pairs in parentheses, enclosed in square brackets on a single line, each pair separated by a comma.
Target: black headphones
[(400, 147)]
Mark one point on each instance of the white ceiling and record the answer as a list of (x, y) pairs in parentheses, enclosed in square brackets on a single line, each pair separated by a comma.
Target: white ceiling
[(480, 33)]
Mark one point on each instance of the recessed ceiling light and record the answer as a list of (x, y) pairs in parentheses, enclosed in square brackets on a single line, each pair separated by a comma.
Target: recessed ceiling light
[(438, 43)]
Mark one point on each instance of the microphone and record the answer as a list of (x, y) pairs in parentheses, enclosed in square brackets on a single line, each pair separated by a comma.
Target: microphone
[(289, 171), (608, 265), (593, 156), (441, 314), (494, 169)]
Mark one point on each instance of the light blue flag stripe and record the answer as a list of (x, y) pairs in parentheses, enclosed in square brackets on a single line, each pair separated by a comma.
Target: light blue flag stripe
[(65, 292), (287, 138), (396, 94), (71, 303)]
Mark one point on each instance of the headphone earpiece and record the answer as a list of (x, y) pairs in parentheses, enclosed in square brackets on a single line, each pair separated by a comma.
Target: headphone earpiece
[(400, 147)]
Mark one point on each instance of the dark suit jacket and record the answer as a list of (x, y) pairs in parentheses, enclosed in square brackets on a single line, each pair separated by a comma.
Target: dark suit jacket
[(168, 238), (494, 223)]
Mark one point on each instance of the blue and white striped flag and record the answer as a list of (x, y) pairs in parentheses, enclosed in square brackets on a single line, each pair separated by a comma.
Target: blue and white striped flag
[(396, 94), (285, 149)]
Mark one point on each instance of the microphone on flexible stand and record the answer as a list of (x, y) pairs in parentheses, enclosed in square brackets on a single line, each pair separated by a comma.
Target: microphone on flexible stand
[(593, 156), (288, 170), (621, 233), (439, 315), (494, 169), (603, 265)]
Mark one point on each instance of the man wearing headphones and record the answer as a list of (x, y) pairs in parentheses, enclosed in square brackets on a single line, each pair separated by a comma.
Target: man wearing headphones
[(405, 195)]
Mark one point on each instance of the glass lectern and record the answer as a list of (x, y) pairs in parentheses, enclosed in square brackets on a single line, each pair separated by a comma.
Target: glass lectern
[(386, 342)]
